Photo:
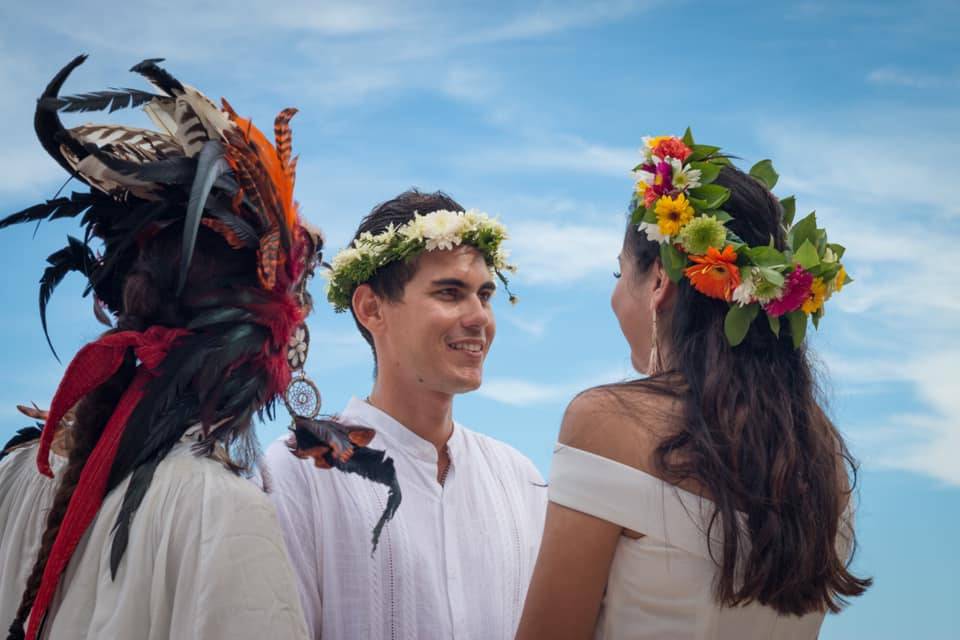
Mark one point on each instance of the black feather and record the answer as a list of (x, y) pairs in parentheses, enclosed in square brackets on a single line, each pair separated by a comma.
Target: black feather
[(219, 316), (139, 483), (63, 207), (160, 77), (22, 437), (112, 99), (210, 165), (46, 122), (242, 229), (76, 256), (175, 171), (373, 465)]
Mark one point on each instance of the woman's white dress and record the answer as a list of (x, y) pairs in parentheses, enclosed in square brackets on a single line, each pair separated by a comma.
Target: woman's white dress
[(661, 585), (205, 559)]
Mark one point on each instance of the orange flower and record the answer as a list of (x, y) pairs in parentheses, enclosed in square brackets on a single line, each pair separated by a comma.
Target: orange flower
[(672, 147), (715, 274)]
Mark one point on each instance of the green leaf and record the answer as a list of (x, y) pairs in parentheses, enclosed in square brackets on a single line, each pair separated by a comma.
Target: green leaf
[(774, 324), (829, 271), (838, 250), (720, 215), (789, 210), (767, 257), (673, 261), (650, 215), (806, 256), (772, 276), (713, 195), (708, 171), (816, 319), (765, 173), (738, 321), (637, 216), (804, 230), (798, 327), (688, 137), (702, 152)]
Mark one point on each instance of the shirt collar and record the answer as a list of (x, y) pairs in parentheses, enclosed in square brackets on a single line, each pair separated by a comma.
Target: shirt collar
[(361, 412)]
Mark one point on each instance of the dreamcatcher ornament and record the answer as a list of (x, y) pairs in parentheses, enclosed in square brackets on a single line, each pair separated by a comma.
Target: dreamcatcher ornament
[(328, 443), (302, 396)]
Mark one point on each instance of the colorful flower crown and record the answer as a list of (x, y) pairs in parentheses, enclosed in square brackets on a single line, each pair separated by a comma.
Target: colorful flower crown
[(676, 204), (442, 229)]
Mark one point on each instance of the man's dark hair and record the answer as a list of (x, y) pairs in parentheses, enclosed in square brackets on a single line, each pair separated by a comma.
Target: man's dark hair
[(389, 281)]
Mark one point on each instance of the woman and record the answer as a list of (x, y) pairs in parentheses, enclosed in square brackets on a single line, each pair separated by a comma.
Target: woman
[(153, 531), (712, 498)]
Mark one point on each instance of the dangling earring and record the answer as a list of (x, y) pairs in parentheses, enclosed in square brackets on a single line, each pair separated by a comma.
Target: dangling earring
[(654, 365), (302, 396)]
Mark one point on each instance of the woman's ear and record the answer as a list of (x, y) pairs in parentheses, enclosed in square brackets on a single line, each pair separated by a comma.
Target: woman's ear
[(664, 289)]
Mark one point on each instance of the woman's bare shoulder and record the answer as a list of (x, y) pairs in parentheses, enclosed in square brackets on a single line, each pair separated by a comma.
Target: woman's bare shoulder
[(623, 422)]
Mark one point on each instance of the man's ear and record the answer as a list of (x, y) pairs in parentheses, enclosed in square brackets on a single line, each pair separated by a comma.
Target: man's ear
[(368, 308)]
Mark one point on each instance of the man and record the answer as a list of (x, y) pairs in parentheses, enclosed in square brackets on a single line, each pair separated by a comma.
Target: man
[(456, 559)]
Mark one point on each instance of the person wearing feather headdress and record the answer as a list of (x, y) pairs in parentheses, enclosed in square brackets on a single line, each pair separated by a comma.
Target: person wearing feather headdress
[(419, 279), (153, 531)]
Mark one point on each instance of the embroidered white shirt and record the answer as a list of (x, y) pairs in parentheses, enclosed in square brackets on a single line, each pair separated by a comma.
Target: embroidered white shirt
[(454, 562)]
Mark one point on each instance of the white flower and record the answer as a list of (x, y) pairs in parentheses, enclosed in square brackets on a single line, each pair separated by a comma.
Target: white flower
[(345, 258), (500, 259), (413, 230), (684, 178), (443, 229), (647, 148), (744, 294), (652, 232)]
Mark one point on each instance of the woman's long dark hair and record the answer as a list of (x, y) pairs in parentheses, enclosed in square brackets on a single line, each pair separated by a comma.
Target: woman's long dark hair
[(148, 299), (753, 435)]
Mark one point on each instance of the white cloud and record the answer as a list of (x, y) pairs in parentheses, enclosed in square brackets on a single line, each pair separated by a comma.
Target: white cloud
[(522, 392), (880, 188), (569, 155), (896, 77), (925, 442), (559, 254)]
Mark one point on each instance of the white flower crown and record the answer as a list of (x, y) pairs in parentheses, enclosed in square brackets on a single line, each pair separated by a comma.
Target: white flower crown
[(441, 229)]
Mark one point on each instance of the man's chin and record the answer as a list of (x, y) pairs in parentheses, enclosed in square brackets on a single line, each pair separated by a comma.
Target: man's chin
[(466, 383)]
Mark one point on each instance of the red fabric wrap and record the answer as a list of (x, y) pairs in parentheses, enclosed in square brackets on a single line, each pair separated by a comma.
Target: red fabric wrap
[(92, 366)]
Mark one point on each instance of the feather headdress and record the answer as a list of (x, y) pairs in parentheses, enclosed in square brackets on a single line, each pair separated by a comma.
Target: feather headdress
[(202, 166)]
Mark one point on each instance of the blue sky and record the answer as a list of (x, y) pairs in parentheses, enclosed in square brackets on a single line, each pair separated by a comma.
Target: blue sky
[(535, 111)]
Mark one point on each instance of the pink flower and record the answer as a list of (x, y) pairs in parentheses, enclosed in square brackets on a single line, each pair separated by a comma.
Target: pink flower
[(795, 291), (662, 178)]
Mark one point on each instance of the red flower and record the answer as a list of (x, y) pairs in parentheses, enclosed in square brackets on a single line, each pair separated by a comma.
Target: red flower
[(672, 147)]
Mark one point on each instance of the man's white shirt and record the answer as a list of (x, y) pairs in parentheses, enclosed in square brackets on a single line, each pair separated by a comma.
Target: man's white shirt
[(454, 562)]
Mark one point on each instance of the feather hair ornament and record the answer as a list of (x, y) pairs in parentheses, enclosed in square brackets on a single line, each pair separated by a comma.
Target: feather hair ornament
[(204, 166)]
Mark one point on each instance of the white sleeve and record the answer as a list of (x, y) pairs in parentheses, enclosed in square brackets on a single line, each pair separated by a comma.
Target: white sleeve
[(293, 496), (233, 577)]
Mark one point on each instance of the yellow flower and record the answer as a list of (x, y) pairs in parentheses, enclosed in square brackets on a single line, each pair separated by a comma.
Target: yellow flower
[(641, 189), (673, 213), (815, 297), (652, 142), (841, 277)]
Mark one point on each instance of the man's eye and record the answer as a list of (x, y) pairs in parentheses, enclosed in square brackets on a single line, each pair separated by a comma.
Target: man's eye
[(486, 295)]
